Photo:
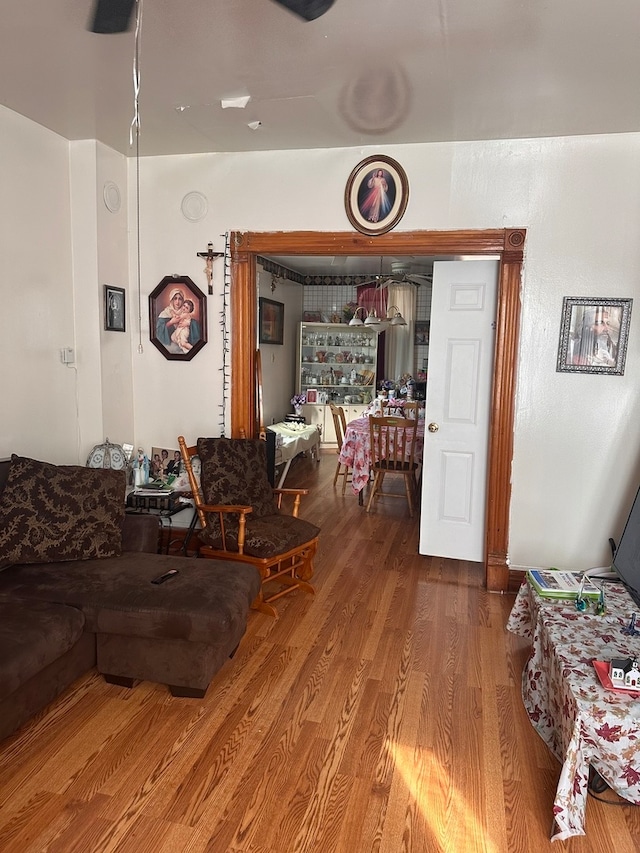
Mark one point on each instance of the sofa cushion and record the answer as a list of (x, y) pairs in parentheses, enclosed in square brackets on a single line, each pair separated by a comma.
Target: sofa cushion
[(33, 634), (60, 512), (205, 602)]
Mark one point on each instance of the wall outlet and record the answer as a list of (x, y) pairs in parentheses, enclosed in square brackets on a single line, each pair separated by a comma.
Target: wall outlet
[(67, 355)]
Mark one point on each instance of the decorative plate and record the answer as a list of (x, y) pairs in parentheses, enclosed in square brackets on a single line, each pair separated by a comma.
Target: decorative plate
[(111, 196), (194, 206)]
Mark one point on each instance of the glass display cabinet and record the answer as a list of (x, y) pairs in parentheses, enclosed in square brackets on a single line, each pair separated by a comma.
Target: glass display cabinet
[(336, 364)]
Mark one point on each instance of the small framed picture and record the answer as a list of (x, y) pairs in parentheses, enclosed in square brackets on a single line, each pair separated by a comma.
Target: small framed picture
[(178, 318), (271, 321), (376, 195), (421, 333), (593, 335), (114, 309)]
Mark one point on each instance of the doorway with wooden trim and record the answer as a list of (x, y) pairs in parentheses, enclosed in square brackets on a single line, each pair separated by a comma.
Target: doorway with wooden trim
[(505, 244)]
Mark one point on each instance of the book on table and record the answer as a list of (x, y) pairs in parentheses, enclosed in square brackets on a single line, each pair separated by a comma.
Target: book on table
[(553, 583)]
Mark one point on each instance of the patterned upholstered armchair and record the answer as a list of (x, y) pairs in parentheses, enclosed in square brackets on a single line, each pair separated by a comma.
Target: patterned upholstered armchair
[(242, 518)]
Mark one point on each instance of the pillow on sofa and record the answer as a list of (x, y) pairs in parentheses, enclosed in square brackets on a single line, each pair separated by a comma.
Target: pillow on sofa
[(60, 512)]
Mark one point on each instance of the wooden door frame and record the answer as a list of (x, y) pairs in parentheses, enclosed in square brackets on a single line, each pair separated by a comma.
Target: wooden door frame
[(506, 243)]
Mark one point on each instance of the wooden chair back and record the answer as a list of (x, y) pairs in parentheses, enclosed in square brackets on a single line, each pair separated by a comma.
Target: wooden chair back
[(400, 408), (339, 422), (393, 444)]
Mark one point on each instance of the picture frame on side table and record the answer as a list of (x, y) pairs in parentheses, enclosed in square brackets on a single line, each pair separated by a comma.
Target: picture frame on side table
[(271, 321), (593, 335), (178, 318), (376, 195), (114, 309)]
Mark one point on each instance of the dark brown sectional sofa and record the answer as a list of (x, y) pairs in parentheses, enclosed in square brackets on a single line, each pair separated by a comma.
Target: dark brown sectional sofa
[(76, 591)]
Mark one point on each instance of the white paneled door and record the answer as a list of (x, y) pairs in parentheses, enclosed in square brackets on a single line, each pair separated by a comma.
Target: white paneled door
[(460, 372)]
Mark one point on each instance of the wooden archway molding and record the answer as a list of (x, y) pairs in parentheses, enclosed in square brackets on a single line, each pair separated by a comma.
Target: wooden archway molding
[(506, 244)]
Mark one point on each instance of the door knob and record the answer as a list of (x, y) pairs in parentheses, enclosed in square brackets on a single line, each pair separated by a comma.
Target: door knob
[(433, 427)]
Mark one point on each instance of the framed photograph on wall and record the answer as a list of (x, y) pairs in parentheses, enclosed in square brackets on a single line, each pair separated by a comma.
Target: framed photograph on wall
[(271, 321), (114, 308), (178, 318), (593, 335), (376, 195), (421, 333)]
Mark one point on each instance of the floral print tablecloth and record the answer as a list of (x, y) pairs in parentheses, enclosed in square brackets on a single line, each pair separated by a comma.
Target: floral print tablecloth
[(582, 723), (356, 450)]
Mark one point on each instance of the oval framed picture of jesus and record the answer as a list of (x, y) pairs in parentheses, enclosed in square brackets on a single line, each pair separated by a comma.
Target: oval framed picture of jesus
[(376, 195)]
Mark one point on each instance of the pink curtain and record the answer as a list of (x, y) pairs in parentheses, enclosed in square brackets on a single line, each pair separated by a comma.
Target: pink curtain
[(373, 298)]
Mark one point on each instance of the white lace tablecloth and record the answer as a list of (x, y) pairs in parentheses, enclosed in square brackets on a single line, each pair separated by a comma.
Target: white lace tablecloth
[(582, 723)]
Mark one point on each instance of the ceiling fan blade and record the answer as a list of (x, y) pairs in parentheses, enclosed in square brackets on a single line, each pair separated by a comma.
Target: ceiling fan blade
[(417, 278), (112, 16), (307, 9)]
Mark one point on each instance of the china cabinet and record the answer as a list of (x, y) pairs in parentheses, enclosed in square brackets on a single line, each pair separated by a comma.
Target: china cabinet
[(336, 364)]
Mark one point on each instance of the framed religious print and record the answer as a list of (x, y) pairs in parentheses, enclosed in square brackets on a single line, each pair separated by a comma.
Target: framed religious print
[(376, 195), (271, 322), (114, 308), (593, 335), (178, 318)]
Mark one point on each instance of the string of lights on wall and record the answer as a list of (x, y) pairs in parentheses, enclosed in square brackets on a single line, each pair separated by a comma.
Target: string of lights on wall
[(226, 377)]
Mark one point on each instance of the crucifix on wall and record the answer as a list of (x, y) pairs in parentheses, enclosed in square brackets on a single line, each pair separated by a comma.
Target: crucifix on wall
[(209, 255)]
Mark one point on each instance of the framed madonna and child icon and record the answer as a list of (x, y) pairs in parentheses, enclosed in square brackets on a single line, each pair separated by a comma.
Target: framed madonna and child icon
[(178, 318), (376, 195)]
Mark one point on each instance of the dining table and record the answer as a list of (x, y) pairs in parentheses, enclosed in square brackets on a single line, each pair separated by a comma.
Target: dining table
[(356, 451)]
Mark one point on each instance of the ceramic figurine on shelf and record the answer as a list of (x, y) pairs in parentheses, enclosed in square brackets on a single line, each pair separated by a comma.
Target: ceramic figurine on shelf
[(141, 469)]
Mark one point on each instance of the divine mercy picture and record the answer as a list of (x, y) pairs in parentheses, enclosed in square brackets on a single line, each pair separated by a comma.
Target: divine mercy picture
[(376, 195)]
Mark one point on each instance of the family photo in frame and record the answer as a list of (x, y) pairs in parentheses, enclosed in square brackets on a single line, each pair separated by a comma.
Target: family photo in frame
[(593, 335), (114, 309)]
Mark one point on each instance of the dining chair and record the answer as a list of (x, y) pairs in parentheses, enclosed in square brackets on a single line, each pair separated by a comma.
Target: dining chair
[(340, 424), (393, 443), (400, 408)]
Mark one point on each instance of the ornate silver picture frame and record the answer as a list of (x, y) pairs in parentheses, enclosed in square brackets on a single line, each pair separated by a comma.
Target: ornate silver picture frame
[(593, 335)]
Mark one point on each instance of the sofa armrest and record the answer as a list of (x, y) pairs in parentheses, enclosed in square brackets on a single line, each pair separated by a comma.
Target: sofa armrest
[(140, 533)]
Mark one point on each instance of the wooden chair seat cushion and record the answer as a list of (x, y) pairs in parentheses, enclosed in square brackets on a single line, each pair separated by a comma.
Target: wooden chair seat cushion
[(264, 537)]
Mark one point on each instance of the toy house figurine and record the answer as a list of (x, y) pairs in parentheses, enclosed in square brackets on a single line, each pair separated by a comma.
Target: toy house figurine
[(624, 672)]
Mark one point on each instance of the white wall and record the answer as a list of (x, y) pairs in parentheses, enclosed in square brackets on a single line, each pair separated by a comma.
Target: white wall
[(279, 373), (39, 415), (576, 463)]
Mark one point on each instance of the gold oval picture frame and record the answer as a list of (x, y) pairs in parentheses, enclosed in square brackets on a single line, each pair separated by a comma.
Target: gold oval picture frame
[(376, 195)]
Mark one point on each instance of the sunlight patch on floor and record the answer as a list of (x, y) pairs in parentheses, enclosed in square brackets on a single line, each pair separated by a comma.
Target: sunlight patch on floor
[(444, 810)]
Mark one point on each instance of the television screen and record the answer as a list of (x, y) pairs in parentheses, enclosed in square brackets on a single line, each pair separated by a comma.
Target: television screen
[(626, 560)]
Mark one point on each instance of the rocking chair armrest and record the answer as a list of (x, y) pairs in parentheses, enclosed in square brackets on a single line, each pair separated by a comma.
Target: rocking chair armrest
[(245, 510), (295, 493)]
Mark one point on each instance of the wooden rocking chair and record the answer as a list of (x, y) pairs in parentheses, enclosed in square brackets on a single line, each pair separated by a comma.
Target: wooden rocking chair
[(241, 518)]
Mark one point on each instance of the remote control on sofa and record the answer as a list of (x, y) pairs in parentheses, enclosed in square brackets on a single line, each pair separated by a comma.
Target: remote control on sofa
[(165, 576)]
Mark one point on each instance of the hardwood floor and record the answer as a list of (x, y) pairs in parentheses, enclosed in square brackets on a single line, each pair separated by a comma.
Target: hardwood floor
[(382, 714)]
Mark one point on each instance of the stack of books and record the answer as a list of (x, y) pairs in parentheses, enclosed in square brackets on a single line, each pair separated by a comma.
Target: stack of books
[(152, 497), (553, 583)]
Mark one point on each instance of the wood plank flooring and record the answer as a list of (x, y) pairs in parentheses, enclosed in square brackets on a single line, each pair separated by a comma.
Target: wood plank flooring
[(382, 714)]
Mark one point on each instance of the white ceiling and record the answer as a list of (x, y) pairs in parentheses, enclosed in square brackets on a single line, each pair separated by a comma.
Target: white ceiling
[(367, 72)]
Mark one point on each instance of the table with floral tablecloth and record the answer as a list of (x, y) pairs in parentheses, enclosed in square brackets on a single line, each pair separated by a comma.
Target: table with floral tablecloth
[(582, 723), (356, 450)]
